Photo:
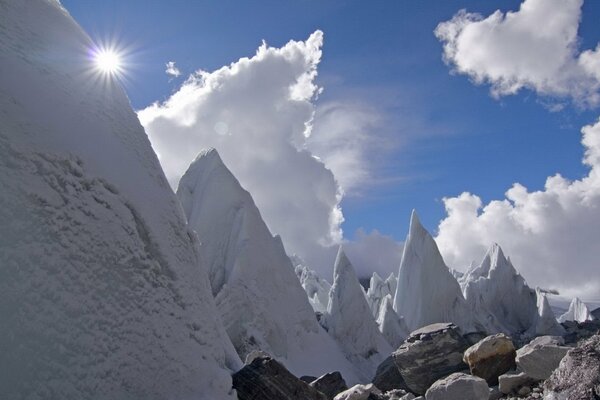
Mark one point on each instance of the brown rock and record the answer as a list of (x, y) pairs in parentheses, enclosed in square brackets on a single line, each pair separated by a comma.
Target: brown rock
[(491, 357)]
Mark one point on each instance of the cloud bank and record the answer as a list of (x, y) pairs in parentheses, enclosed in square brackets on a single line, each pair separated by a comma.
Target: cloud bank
[(260, 114), (551, 234), (534, 48)]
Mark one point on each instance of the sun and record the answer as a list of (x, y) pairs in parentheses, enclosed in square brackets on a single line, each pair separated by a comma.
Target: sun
[(108, 61)]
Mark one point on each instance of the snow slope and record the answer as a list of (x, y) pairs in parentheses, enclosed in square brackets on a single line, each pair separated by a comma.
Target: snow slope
[(577, 311), (349, 320), (499, 295), (258, 295), (427, 292), (101, 291), (378, 289)]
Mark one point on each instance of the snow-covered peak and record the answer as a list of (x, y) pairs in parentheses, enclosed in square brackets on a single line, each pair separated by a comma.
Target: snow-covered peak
[(259, 297), (349, 320), (578, 312), (545, 323), (316, 288), (427, 292), (378, 289)]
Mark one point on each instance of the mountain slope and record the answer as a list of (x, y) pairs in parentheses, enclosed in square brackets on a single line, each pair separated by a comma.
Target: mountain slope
[(101, 291)]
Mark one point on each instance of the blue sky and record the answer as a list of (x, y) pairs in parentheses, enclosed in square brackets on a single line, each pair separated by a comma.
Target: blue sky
[(440, 133), (454, 135)]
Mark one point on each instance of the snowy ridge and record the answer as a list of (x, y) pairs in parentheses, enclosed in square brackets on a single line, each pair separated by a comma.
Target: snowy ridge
[(349, 320), (499, 295), (378, 290), (258, 295), (98, 272), (577, 311), (427, 292)]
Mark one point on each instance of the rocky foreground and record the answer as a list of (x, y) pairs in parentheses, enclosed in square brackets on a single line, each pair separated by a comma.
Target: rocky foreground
[(438, 362)]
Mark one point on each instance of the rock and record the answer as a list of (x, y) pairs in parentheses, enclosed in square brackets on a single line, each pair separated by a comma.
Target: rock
[(308, 378), (541, 356), (578, 376), (596, 313), (387, 377), (398, 394), (430, 353), (524, 391), (330, 384), (265, 378), (358, 392), (491, 357), (255, 354), (495, 393), (577, 331), (474, 337), (459, 386), (513, 381)]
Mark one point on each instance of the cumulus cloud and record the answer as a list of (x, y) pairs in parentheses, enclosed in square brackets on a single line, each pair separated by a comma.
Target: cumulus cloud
[(172, 69), (260, 114), (550, 234), (535, 48)]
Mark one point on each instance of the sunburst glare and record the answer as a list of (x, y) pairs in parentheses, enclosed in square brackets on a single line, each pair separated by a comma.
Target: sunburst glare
[(108, 61)]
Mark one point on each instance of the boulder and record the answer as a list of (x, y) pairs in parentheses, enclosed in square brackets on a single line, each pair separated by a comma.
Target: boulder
[(430, 353), (387, 377), (578, 376), (511, 382), (398, 394), (596, 313), (308, 378), (265, 378), (577, 331), (330, 384), (459, 386), (491, 357), (359, 392), (541, 356)]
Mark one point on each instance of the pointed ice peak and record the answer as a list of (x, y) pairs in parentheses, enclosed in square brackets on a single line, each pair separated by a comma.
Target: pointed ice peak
[(391, 325), (494, 260), (415, 225), (343, 266), (578, 312), (546, 323), (376, 280)]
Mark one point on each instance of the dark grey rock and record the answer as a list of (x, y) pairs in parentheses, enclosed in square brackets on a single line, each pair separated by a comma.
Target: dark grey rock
[(577, 331), (387, 377), (541, 356), (596, 313), (308, 378), (474, 337), (330, 384), (265, 378), (430, 353), (578, 376)]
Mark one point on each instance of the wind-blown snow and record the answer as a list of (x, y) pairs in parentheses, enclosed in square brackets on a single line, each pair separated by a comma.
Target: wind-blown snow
[(101, 291), (427, 292), (349, 320), (258, 294), (577, 311), (499, 295)]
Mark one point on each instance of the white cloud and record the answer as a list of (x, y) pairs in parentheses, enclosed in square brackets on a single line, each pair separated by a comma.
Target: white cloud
[(535, 47), (374, 252), (172, 70), (259, 114)]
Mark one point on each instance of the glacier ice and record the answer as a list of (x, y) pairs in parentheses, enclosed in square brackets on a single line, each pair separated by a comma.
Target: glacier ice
[(391, 325), (316, 288), (258, 294), (102, 294), (427, 292), (378, 289), (349, 320), (577, 311)]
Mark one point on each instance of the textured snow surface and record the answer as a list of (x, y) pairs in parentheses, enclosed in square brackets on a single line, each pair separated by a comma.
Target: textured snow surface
[(258, 294), (577, 311), (349, 320), (427, 292), (101, 291), (499, 295), (378, 290), (316, 288)]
